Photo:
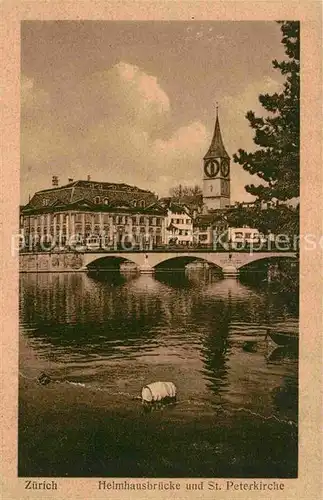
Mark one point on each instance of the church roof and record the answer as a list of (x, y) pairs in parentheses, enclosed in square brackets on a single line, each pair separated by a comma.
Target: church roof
[(216, 149)]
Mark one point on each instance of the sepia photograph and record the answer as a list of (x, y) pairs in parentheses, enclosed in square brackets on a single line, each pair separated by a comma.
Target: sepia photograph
[(159, 250)]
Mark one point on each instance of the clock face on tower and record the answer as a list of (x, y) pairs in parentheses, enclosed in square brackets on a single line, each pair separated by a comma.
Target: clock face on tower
[(211, 168), (225, 167)]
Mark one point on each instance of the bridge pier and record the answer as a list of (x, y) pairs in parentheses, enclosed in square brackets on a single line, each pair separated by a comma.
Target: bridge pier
[(230, 271), (146, 268)]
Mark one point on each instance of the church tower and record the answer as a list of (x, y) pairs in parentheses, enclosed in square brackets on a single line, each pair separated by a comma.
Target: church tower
[(216, 178)]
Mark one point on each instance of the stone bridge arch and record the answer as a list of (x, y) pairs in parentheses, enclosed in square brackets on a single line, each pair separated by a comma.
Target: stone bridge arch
[(184, 259), (248, 258), (104, 261)]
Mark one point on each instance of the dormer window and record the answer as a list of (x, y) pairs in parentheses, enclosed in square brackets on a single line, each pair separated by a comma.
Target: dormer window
[(45, 202), (106, 201), (142, 203), (97, 200)]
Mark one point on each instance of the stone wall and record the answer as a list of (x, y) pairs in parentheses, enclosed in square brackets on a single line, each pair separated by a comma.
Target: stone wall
[(51, 262)]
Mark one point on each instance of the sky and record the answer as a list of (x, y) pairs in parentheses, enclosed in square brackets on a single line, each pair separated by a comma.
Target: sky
[(134, 102)]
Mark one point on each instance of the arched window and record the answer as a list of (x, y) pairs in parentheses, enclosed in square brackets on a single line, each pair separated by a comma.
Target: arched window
[(134, 203), (106, 201), (97, 200), (142, 203)]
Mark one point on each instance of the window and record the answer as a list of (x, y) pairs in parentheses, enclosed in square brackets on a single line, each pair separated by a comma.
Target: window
[(142, 220), (158, 221), (97, 200), (78, 218), (134, 203), (106, 201), (142, 203), (188, 221), (45, 202)]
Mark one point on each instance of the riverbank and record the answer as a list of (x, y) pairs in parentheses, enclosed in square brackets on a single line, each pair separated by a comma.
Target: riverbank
[(74, 431)]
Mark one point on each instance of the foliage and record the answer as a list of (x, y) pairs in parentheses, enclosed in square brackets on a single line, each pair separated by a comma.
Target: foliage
[(276, 161), (280, 219), (191, 196)]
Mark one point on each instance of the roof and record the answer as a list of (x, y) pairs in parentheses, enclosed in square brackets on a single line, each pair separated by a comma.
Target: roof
[(101, 192), (87, 205), (216, 149), (97, 185), (173, 206), (211, 218)]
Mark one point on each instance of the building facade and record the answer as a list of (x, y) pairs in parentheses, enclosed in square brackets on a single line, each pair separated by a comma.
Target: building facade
[(92, 214), (216, 173), (179, 225), (211, 229)]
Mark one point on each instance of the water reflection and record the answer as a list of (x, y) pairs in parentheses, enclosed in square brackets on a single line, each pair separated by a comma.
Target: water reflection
[(189, 327), (215, 348)]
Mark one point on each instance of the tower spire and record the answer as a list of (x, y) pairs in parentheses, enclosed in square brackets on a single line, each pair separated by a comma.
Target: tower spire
[(216, 149)]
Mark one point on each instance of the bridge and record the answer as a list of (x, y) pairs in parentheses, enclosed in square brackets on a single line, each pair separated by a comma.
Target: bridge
[(229, 263), (148, 261)]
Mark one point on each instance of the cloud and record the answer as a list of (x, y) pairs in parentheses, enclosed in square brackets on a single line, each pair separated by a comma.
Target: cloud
[(123, 93), (109, 126), (113, 125)]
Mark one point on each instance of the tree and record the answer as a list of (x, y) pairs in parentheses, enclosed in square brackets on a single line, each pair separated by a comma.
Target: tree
[(276, 161), (191, 196), (277, 220)]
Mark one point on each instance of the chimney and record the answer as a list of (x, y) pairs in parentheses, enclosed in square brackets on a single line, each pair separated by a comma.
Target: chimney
[(54, 181), (70, 180), (89, 178)]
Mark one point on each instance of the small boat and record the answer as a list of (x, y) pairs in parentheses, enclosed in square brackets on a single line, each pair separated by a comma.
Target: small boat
[(283, 338)]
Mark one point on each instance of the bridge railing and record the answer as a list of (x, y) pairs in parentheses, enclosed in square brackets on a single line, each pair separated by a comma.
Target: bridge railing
[(232, 248)]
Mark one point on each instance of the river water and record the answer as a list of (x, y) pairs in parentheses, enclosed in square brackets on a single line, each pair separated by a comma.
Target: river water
[(101, 338)]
